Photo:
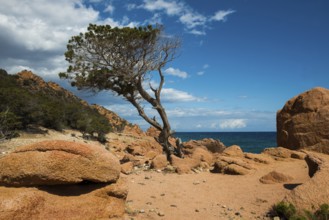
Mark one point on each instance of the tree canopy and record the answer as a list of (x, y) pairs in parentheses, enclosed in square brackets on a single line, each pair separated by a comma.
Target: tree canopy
[(124, 60)]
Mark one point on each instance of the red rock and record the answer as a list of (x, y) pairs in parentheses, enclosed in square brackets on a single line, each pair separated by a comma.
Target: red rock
[(275, 177), (233, 151), (127, 168), (303, 122), (314, 192), (58, 162), (64, 202), (214, 146), (159, 162)]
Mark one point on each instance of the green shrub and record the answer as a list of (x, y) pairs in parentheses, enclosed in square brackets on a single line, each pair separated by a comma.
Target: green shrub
[(47, 108), (288, 211)]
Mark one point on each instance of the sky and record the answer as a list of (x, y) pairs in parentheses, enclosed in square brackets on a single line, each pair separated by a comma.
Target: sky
[(239, 62)]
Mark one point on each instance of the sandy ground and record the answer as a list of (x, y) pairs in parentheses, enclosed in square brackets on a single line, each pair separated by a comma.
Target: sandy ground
[(204, 196)]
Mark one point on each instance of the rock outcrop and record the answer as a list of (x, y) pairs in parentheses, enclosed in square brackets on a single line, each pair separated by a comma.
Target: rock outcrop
[(315, 192), (88, 177), (303, 123), (58, 162)]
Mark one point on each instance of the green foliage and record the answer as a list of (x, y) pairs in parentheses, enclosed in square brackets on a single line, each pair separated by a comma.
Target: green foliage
[(288, 211), (9, 123), (44, 108), (111, 58)]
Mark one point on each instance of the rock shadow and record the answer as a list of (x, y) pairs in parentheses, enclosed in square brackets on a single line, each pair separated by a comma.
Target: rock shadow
[(291, 186), (72, 190)]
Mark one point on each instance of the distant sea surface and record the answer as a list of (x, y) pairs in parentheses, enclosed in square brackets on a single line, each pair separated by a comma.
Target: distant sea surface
[(252, 142)]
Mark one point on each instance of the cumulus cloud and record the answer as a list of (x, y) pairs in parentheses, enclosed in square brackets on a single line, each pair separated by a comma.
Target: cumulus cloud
[(233, 123), (34, 34), (176, 72)]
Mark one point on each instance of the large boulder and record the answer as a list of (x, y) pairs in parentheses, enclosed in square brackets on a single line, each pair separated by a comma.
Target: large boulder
[(76, 202), (58, 162), (303, 123)]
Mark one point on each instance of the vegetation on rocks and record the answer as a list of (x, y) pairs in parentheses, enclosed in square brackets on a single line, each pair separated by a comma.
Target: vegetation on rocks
[(288, 211), (21, 107)]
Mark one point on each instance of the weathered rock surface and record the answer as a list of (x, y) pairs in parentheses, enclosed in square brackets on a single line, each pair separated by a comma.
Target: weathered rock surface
[(91, 201), (212, 145), (58, 162), (159, 162), (275, 177), (231, 165), (283, 153), (303, 123), (313, 193), (233, 151)]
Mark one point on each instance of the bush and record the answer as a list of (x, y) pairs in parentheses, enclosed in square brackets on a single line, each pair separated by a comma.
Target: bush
[(288, 211), (9, 123)]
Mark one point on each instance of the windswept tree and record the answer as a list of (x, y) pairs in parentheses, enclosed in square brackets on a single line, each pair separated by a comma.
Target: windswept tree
[(124, 60)]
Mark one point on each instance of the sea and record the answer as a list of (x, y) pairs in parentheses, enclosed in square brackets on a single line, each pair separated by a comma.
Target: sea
[(251, 142)]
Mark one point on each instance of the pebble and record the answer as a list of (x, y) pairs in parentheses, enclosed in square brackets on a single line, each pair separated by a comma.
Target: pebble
[(142, 211), (173, 206), (196, 182), (148, 177), (159, 171), (162, 194), (161, 213), (197, 210)]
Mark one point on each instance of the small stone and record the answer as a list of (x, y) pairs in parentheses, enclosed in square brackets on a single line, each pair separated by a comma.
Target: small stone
[(162, 194), (142, 211), (197, 210), (237, 214), (196, 182), (173, 206), (148, 177), (149, 203), (159, 171), (160, 213), (223, 206)]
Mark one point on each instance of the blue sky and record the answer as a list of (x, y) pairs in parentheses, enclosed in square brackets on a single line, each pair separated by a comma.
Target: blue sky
[(240, 60)]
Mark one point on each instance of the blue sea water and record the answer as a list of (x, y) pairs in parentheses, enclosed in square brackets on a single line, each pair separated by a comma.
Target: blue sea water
[(252, 142)]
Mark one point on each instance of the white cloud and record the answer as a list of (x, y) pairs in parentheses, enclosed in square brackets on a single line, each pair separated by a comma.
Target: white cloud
[(110, 9), (194, 22), (170, 7), (34, 33), (221, 15), (192, 19), (233, 123), (197, 32), (200, 73), (174, 95), (176, 72)]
